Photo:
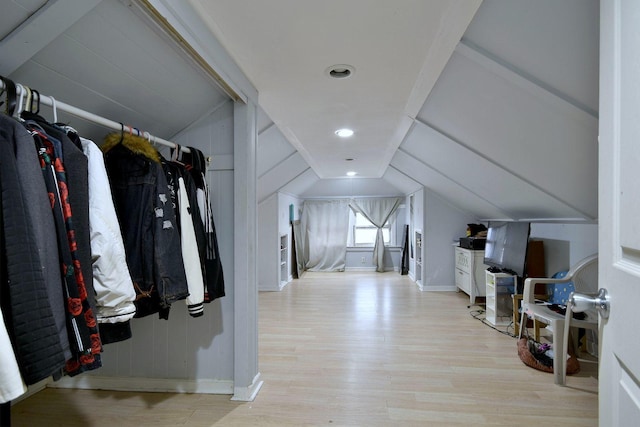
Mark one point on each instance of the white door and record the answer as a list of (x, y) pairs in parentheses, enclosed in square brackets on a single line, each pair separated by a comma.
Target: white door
[(619, 211)]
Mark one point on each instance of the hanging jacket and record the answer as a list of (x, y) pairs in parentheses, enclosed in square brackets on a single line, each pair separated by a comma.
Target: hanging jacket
[(214, 276), (115, 294), (38, 210), (25, 302), (187, 218), (82, 325), (11, 383), (76, 171), (147, 222)]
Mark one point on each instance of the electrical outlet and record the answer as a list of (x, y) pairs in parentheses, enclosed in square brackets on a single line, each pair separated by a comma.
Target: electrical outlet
[(362, 260)]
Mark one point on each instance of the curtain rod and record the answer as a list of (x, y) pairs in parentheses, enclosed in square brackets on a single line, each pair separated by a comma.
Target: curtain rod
[(86, 115)]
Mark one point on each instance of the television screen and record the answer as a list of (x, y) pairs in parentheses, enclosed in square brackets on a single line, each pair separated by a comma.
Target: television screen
[(506, 247)]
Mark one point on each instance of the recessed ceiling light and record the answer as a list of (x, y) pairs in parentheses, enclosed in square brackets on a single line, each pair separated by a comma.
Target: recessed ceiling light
[(344, 133), (351, 173), (340, 71)]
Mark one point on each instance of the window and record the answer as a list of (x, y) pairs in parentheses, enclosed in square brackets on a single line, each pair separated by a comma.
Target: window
[(364, 233)]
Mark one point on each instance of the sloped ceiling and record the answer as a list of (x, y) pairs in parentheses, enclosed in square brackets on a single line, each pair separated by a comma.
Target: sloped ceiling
[(103, 57), (396, 50), (509, 130)]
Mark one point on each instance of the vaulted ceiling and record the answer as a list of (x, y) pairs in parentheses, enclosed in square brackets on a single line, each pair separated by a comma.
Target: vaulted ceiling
[(508, 130), (490, 105), (394, 52)]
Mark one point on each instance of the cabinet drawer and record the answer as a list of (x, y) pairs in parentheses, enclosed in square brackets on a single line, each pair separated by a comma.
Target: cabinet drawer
[(464, 260), (463, 280)]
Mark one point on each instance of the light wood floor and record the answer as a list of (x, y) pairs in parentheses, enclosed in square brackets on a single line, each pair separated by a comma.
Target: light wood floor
[(355, 349)]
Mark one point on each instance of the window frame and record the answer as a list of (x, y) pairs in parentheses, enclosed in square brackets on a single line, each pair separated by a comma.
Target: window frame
[(355, 227)]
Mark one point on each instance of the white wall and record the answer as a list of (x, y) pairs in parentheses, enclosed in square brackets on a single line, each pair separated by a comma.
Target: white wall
[(565, 244), (350, 187), (268, 255), (444, 224), (361, 259)]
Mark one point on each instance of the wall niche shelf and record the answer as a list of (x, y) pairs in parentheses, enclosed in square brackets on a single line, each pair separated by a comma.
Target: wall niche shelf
[(284, 260), (418, 257)]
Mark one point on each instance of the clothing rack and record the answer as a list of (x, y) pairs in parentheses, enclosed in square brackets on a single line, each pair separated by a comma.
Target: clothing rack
[(22, 92), (56, 105)]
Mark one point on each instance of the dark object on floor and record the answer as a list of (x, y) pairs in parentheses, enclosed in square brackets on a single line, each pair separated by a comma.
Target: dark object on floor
[(540, 362), (404, 265)]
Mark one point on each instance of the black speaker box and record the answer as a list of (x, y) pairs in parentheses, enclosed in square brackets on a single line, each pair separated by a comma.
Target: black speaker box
[(475, 243)]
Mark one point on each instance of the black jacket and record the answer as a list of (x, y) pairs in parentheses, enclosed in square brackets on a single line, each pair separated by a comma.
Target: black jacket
[(25, 302), (39, 211), (147, 220)]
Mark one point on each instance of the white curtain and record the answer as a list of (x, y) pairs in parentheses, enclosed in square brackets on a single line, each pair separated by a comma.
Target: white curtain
[(324, 229), (377, 211)]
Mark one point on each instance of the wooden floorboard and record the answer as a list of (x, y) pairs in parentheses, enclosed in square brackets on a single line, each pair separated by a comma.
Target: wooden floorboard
[(355, 349)]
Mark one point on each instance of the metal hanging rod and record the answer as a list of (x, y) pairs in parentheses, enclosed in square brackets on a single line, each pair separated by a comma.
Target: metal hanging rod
[(56, 105)]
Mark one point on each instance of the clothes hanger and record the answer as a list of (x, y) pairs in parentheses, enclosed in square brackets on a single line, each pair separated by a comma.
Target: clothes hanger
[(175, 152), (55, 109), (35, 94), (121, 133), (27, 104), (20, 99), (147, 136)]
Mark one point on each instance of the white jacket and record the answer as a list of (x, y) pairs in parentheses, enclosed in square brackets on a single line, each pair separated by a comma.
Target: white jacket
[(111, 278), (190, 255), (11, 384)]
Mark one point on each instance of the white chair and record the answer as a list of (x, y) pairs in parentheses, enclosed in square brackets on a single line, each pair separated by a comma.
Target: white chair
[(584, 276)]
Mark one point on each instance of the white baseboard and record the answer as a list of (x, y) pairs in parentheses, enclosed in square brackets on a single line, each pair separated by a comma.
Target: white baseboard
[(283, 284), (359, 269), (373, 268), (438, 288), (248, 394), (94, 382)]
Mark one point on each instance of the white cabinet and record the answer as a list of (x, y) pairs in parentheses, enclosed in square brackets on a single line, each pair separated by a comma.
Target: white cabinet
[(500, 288), (469, 272)]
